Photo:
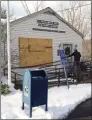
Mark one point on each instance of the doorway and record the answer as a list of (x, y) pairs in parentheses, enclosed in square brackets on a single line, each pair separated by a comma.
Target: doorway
[(68, 51)]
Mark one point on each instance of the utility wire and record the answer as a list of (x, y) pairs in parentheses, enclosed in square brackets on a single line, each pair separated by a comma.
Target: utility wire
[(74, 7)]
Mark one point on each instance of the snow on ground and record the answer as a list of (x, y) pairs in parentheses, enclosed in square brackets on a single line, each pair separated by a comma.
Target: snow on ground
[(61, 101)]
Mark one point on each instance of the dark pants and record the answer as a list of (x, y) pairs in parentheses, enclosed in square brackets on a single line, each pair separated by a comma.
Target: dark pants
[(76, 70)]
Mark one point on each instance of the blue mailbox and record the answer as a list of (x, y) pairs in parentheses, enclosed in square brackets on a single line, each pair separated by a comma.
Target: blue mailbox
[(35, 89)]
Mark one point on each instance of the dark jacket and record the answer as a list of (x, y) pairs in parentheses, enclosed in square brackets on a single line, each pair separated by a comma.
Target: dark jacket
[(76, 55)]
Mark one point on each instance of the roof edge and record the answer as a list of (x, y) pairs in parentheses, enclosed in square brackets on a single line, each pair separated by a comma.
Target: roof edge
[(51, 10)]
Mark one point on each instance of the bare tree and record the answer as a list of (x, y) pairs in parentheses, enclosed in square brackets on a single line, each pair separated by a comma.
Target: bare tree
[(39, 5), (78, 14), (36, 5), (4, 39), (3, 34)]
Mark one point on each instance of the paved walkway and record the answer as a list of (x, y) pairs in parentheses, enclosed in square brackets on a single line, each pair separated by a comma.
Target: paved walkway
[(82, 112)]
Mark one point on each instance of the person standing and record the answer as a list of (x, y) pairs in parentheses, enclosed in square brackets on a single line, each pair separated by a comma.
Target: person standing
[(76, 65)]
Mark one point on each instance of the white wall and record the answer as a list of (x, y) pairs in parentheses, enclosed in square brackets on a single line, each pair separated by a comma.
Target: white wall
[(24, 29)]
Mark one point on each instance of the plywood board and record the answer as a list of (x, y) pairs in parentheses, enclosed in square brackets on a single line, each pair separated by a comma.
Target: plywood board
[(23, 53), (32, 41), (40, 41), (36, 48), (35, 51), (36, 57), (23, 42)]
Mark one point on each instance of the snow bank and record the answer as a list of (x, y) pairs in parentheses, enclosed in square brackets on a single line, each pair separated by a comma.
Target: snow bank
[(61, 101)]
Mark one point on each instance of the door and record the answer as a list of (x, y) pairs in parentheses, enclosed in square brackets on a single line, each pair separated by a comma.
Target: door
[(68, 51)]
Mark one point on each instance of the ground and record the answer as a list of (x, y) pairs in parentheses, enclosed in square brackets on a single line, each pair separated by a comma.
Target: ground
[(61, 101), (83, 111)]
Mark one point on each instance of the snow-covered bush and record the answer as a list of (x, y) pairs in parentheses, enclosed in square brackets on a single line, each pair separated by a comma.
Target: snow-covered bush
[(4, 88)]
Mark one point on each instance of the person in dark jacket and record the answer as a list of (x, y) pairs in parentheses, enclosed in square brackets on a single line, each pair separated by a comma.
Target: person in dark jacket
[(76, 65), (76, 55)]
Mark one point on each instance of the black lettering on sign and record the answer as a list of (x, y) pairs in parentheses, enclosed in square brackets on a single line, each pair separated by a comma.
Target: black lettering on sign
[(48, 30), (49, 24)]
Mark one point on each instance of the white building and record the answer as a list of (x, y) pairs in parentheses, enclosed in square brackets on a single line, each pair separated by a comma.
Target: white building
[(45, 24)]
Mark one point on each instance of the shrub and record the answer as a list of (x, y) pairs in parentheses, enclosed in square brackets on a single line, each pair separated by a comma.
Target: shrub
[(4, 89)]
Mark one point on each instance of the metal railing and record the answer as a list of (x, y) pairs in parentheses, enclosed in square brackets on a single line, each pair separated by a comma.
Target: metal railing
[(15, 76), (53, 72)]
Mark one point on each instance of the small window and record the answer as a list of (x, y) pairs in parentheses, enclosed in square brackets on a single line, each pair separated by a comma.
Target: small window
[(67, 51), (67, 48)]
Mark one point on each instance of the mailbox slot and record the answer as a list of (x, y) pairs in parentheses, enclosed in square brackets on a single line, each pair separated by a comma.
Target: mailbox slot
[(36, 74)]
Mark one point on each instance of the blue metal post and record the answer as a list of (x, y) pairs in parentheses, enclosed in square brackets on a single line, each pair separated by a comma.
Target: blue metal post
[(66, 76), (63, 60)]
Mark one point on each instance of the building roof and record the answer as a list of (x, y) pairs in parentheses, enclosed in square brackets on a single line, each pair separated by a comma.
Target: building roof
[(48, 9)]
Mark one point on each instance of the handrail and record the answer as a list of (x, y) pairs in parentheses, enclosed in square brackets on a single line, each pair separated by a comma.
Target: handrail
[(49, 70), (46, 64), (16, 73), (65, 63), (15, 77)]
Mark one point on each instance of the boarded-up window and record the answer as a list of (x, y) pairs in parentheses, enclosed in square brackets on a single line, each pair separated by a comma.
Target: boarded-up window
[(35, 51)]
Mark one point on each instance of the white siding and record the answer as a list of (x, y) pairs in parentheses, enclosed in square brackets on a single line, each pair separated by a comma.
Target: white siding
[(24, 29)]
